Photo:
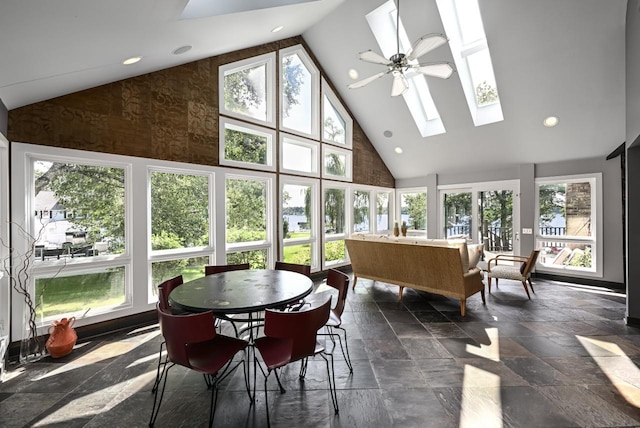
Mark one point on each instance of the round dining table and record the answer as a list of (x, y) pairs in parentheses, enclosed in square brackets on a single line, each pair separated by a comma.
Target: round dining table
[(241, 291)]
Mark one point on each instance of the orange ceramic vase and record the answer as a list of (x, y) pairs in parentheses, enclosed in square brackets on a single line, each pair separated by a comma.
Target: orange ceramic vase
[(62, 337)]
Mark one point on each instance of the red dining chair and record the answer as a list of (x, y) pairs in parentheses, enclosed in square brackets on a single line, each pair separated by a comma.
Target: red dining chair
[(192, 342), (290, 337), (340, 282), (164, 289), (298, 268), (213, 269), (294, 267)]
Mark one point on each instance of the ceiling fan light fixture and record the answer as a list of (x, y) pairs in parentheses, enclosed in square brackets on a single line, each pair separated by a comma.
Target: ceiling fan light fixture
[(400, 84)]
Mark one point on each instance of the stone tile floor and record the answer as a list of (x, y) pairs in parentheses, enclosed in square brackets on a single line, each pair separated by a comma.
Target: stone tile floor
[(565, 358)]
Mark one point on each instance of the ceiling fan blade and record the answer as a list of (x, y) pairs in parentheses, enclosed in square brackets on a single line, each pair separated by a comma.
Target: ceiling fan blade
[(376, 58), (400, 84), (366, 81), (427, 44), (443, 70)]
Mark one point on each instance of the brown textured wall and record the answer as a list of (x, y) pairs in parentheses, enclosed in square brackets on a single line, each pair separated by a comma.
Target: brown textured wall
[(170, 114)]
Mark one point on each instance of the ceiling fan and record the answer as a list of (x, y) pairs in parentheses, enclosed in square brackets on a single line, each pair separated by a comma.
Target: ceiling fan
[(400, 63)]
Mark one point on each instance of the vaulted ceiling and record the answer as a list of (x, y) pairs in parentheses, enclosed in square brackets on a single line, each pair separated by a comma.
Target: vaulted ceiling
[(562, 58)]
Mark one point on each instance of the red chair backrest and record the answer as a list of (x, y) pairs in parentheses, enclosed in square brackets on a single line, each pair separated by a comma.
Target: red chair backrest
[(294, 267), (340, 282), (181, 330), (211, 269), (165, 288), (301, 327)]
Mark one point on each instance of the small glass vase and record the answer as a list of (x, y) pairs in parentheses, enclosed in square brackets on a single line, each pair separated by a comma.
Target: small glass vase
[(32, 346)]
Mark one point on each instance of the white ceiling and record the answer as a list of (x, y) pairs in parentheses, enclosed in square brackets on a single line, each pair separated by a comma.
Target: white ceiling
[(551, 57)]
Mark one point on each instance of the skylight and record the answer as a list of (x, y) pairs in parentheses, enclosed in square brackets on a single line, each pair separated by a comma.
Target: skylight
[(463, 25), (382, 22)]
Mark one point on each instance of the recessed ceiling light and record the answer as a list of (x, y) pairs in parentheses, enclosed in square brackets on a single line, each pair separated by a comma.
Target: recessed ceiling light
[(182, 49), (278, 28), (550, 121), (388, 133), (131, 60), (398, 150), (353, 73)]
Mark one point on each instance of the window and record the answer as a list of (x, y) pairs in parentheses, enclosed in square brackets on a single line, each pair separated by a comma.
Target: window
[(335, 223), (299, 155), (336, 163), (87, 293), (190, 268), (246, 145), (78, 218), (382, 22), (299, 214), (462, 22), (248, 219), (383, 211), (79, 210), (361, 211), (179, 211), (568, 232), (412, 209), (337, 125), (247, 89), (299, 92)]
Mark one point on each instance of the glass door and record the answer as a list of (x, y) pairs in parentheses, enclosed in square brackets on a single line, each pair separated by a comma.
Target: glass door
[(4, 252), (484, 213)]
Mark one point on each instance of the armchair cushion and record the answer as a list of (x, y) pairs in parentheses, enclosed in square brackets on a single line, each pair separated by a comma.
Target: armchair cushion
[(475, 253)]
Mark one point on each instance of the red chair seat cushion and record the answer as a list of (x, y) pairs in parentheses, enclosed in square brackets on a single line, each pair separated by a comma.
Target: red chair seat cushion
[(212, 355), (276, 352)]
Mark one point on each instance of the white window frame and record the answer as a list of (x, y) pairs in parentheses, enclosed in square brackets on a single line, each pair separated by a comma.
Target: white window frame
[(314, 146), (371, 210), (391, 214), (22, 158), (596, 239), (266, 244), (398, 209), (475, 189), (247, 128), (347, 220), (326, 149), (313, 240), (315, 92), (5, 290), (342, 112), (186, 252), (269, 62)]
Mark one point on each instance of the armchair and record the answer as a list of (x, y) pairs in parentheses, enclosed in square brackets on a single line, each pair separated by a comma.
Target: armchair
[(519, 272)]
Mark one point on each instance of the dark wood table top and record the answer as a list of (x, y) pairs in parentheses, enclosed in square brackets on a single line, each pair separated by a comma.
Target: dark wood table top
[(241, 291)]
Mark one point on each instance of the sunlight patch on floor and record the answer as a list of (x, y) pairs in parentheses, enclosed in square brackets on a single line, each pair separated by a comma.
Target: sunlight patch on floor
[(490, 351), (624, 366), (146, 359), (480, 406), (86, 404)]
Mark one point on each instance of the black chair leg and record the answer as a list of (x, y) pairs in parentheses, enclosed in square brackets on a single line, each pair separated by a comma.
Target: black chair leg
[(332, 381), (162, 364), (347, 357), (157, 402)]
